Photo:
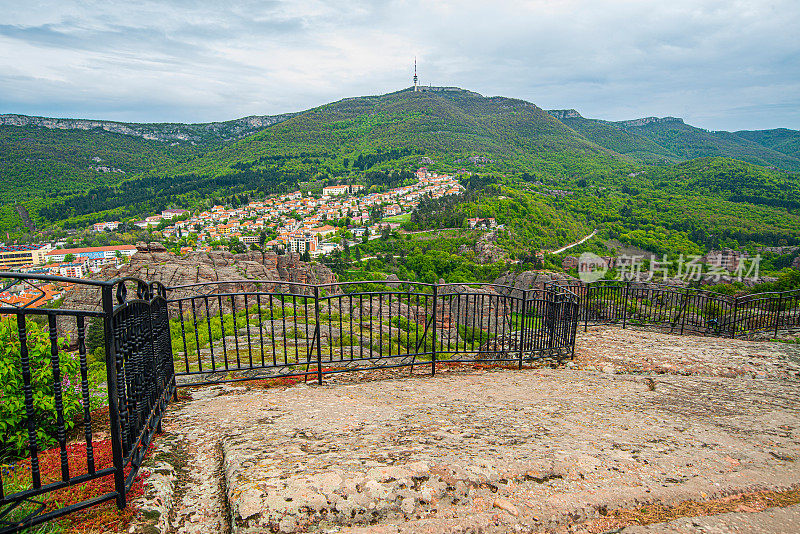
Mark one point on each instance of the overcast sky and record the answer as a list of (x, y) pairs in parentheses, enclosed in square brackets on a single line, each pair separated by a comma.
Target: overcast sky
[(719, 64)]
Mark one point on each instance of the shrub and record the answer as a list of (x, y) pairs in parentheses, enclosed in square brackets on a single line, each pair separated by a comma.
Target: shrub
[(712, 310), (13, 418)]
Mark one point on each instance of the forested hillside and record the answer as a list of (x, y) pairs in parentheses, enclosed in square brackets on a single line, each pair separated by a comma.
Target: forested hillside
[(448, 126), (38, 162), (647, 182), (357, 134), (694, 206), (670, 140)]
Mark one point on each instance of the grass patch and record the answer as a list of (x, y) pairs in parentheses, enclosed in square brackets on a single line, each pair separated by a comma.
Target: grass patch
[(401, 219)]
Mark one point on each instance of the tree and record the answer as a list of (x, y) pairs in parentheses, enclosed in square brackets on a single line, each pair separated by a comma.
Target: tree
[(236, 246), (69, 258)]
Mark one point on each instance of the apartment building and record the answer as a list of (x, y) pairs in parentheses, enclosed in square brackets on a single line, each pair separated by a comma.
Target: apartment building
[(18, 255), (91, 253), (103, 226)]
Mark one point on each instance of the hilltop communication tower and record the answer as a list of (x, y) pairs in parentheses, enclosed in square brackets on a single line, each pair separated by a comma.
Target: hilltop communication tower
[(415, 75)]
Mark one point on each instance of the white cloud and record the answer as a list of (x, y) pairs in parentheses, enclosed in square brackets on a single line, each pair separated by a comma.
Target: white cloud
[(720, 64)]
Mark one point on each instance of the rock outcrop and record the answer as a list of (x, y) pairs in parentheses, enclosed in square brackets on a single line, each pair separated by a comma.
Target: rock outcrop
[(534, 280), (214, 131), (240, 271), (486, 249), (562, 114), (647, 120)]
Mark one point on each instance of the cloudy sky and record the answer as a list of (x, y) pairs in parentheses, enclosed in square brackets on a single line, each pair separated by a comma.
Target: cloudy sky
[(719, 64)]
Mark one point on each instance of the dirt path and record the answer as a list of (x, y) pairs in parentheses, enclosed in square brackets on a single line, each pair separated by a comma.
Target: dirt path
[(576, 243)]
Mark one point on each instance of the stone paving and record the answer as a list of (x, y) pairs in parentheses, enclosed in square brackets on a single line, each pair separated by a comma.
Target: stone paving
[(638, 417)]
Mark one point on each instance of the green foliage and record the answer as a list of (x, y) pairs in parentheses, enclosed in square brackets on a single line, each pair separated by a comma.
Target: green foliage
[(13, 419), (669, 141), (55, 162), (701, 204), (788, 279)]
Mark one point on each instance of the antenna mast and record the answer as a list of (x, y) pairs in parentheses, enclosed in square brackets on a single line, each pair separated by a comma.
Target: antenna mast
[(415, 75)]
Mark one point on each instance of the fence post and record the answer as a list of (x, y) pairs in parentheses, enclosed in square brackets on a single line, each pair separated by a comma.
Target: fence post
[(574, 325), (685, 309), (318, 335), (778, 314), (625, 303), (735, 313), (522, 326), (433, 328), (584, 306), (551, 318), (113, 394)]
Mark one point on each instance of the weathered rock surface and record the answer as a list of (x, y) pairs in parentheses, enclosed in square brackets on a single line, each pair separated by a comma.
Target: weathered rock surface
[(654, 353), (499, 450)]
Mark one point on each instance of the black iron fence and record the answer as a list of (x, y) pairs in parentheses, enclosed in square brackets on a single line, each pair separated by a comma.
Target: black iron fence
[(66, 428), (246, 329), (687, 310), (62, 427)]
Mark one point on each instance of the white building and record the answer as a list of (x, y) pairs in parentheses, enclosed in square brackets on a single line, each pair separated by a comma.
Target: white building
[(90, 253)]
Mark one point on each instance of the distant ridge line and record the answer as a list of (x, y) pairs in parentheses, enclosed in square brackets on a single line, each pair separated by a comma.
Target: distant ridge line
[(174, 131)]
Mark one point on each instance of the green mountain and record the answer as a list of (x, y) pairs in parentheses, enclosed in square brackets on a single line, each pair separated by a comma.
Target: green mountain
[(670, 140), (447, 128), (446, 124), (68, 171)]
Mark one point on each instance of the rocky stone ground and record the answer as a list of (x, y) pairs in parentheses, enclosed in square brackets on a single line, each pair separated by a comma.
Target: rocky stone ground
[(637, 418), (617, 350)]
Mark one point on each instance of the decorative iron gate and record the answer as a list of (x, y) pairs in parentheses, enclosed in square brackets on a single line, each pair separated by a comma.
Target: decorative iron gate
[(49, 346)]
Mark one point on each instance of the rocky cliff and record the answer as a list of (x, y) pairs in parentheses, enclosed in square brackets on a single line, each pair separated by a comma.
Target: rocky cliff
[(646, 120), (486, 249), (154, 264), (195, 133), (534, 280), (562, 114)]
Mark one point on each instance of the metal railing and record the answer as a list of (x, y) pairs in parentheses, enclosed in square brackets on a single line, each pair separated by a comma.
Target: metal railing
[(687, 310), (45, 345), (222, 331), (246, 329), (151, 339)]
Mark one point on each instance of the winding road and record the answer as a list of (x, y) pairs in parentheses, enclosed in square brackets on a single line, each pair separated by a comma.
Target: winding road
[(575, 244)]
